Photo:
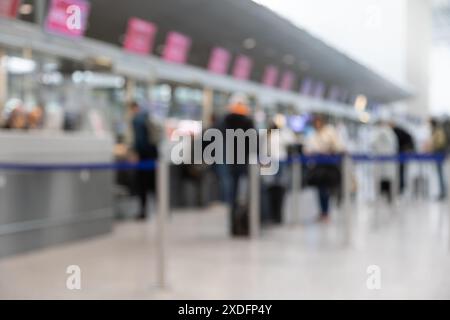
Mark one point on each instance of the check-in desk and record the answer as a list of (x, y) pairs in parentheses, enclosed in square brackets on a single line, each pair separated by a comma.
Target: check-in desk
[(40, 208)]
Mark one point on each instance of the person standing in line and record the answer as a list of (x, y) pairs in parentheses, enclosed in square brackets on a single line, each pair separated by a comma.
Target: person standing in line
[(324, 142), (143, 151), (405, 144), (237, 118), (384, 143), (438, 146)]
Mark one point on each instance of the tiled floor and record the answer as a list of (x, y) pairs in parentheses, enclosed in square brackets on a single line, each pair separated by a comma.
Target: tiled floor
[(296, 261)]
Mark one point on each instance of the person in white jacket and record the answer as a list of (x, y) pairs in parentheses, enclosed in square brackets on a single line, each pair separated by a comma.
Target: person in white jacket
[(325, 141), (384, 143)]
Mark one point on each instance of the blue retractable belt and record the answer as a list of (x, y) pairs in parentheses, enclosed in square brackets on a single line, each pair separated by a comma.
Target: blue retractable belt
[(144, 165), (304, 159)]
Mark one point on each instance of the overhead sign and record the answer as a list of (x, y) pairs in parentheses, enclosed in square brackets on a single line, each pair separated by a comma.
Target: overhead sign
[(177, 47), (219, 61), (140, 36), (307, 85), (242, 67), (319, 90), (334, 93), (68, 17), (9, 8), (270, 76), (287, 80)]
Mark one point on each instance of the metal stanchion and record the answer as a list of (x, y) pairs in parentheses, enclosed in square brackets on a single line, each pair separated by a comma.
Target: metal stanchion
[(377, 187), (254, 216), (163, 209), (395, 187), (296, 186), (347, 188)]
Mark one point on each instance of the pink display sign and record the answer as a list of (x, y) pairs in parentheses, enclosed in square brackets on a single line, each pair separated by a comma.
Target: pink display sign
[(270, 76), (219, 60), (177, 47), (140, 36), (8, 8), (68, 17), (242, 67), (287, 80)]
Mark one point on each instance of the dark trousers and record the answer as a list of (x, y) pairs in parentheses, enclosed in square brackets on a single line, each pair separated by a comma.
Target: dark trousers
[(385, 189), (145, 183), (324, 200), (402, 183), (442, 186), (236, 172)]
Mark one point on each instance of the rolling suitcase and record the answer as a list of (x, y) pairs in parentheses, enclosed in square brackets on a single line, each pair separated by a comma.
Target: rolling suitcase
[(240, 212), (276, 197)]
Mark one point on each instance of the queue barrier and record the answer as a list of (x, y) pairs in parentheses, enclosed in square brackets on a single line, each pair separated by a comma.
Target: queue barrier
[(117, 166), (346, 160), (360, 157)]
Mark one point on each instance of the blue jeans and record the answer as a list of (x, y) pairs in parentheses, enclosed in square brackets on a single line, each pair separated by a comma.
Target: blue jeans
[(324, 200), (224, 182)]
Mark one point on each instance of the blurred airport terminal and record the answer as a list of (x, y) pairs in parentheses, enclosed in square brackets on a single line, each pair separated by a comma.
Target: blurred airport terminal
[(117, 179)]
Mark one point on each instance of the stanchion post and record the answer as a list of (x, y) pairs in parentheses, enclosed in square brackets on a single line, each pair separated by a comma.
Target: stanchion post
[(395, 185), (163, 209), (254, 216), (377, 187), (347, 189), (296, 186)]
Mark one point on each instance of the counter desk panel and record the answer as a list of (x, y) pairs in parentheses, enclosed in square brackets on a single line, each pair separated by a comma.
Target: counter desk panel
[(47, 207)]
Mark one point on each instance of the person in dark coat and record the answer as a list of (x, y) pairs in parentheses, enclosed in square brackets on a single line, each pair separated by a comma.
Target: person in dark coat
[(405, 144), (237, 118), (144, 151)]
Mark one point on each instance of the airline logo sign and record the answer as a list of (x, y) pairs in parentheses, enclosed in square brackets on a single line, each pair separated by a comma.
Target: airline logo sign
[(140, 36), (270, 76), (242, 67), (177, 47), (68, 17), (219, 61)]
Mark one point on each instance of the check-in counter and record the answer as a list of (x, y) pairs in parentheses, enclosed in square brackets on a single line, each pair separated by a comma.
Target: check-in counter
[(40, 208)]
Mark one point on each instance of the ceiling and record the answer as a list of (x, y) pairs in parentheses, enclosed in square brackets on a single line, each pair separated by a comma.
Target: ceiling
[(228, 23)]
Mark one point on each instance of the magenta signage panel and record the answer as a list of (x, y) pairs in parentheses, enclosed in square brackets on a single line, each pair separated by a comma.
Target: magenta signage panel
[(242, 67), (287, 80), (270, 77), (8, 8), (67, 17), (140, 36), (177, 47), (219, 61)]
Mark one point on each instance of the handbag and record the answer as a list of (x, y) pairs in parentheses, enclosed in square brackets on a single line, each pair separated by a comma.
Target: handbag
[(323, 175)]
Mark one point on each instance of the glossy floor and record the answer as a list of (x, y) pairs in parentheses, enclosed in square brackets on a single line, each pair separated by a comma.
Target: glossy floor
[(300, 260)]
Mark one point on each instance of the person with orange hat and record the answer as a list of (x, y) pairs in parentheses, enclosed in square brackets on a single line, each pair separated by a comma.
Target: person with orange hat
[(238, 118)]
